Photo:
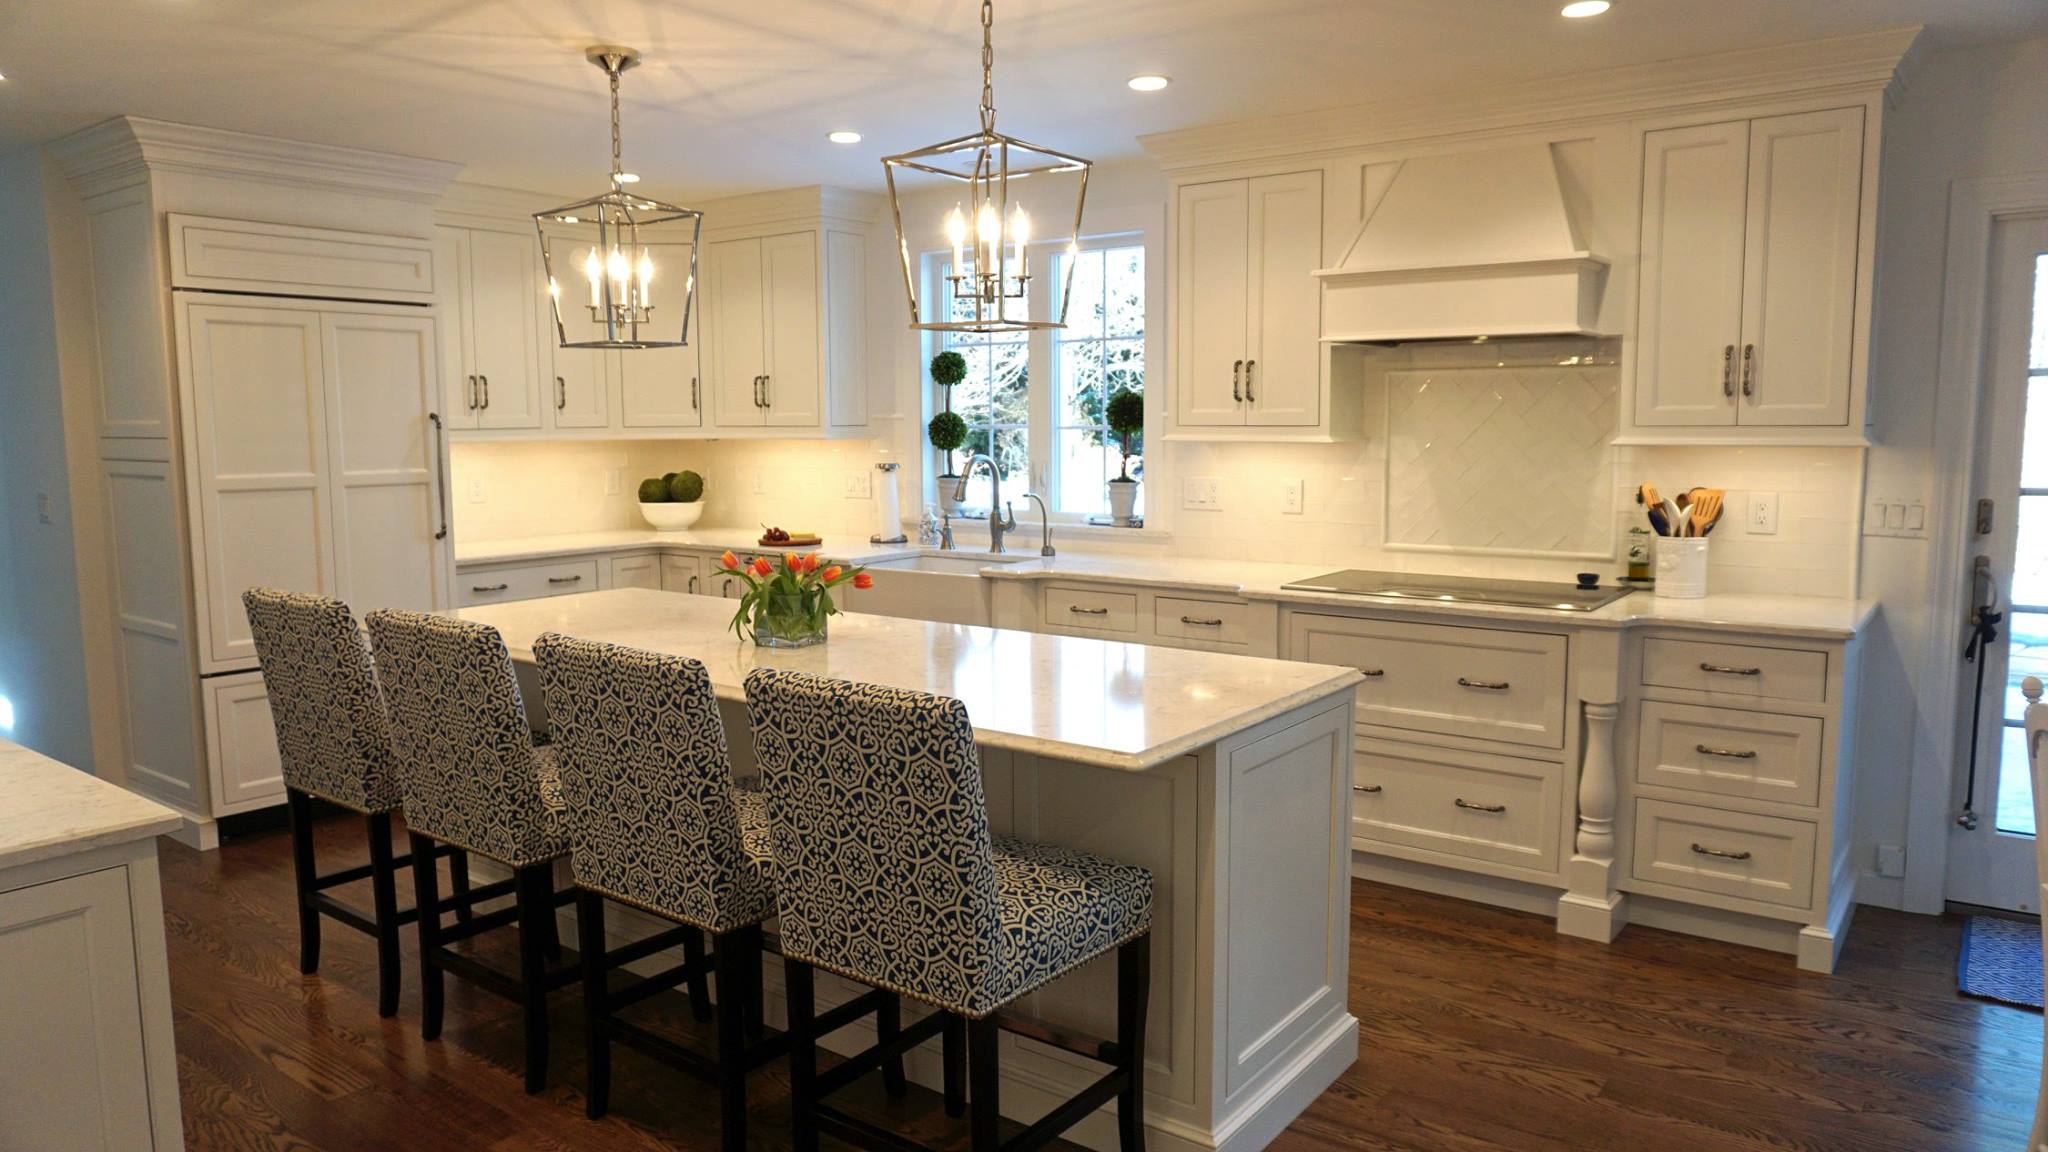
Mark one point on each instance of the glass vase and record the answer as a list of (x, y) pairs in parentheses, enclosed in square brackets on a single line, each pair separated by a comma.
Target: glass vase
[(784, 622)]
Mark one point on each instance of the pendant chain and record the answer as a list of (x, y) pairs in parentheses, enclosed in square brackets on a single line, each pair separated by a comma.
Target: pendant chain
[(612, 70), (988, 66)]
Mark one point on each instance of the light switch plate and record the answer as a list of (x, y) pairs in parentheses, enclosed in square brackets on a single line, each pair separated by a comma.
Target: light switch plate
[(476, 489), (854, 485), (612, 481), (1202, 492), (1290, 497), (1901, 516)]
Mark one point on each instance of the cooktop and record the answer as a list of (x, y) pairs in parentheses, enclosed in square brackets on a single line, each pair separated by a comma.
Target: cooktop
[(1557, 596)]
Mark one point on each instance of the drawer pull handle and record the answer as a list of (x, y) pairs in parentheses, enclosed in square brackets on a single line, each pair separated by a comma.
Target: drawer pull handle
[(1080, 611), (1730, 670), (1372, 673), (488, 587), (1706, 851), (1471, 807), (1488, 685), (564, 579), (1202, 623), (1731, 753), (1368, 789)]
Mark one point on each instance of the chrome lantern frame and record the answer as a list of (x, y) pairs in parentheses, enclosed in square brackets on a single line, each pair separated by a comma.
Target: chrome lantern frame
[(618, 230), (986, 161)]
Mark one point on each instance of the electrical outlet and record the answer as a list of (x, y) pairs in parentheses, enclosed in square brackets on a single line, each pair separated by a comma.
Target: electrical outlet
[(476, 489), (1891, 860), (1763, 513), (1201, 492), (855, 486), (612, 481), (1290, 497), (760, 482)]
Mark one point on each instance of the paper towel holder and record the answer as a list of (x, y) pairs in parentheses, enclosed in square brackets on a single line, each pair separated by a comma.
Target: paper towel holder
[(888, 470)]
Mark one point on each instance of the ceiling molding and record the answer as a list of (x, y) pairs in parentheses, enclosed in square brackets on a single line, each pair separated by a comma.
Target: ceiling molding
[(1849, 64), (793, 204), (463, 202), (127, 150)]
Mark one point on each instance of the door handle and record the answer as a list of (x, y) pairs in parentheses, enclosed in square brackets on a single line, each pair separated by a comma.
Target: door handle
[(1237, 381), (1487, 685), (440, 475), (694, 405), (1470, 806), (1250, 366), (1203, 622), (564, 579), (1372, 673), (1706, 851), (767, 391), (1730, 753), (1728, 371), (488, 587), (1749, 370), (757, 391), (486, 381), (1729, 670), (472, 391), (561, 394), (693, 585), (1368, 789), (1077, 610)]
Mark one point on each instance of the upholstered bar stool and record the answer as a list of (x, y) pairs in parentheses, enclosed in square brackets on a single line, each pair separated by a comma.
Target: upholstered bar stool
[(334, 744), (886, 873), (656, 823), (475, 780)]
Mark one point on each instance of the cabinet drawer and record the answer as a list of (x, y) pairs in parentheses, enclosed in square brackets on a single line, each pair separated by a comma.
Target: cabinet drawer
[(1740, 854), (1484, 682), (526, 582), (1730, 752), (1216, 621), (1093, 609), (1736, 669), (1480, 806)]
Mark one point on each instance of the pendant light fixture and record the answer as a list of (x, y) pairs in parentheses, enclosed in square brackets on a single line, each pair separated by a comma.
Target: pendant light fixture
[(985, 288), (631, 261)]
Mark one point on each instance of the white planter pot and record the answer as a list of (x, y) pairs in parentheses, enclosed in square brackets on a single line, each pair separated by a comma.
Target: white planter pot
[(1123, 499), (671, 517), (948, 503)]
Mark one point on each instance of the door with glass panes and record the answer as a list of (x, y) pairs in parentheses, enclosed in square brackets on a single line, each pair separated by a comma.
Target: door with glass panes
[(1991, 849)]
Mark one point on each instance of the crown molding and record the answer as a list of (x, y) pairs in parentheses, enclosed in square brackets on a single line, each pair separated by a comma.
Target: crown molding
[(129, 150), (463, 202), (1860, 65), (809, 202)]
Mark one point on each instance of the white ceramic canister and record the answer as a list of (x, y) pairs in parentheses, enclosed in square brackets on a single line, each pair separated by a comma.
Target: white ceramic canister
[(1682, 567)]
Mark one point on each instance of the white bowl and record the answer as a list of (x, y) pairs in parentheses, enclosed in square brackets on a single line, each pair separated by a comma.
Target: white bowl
[(671, 517)]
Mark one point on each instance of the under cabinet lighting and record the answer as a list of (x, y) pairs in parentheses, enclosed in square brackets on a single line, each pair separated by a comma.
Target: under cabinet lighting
[(1150, 82), (1580, 9), (843, 136)]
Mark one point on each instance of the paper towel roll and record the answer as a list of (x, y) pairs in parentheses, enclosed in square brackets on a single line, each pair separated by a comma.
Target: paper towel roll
[(888, 507)]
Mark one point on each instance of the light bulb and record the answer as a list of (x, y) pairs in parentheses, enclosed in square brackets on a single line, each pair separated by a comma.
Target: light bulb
[(1020, 235), (987, 226), (956, 231), (645, 270), (594, 269)]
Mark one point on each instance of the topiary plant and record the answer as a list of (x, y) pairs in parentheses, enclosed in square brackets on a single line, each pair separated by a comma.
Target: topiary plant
[(949, 368), (654, 490), (948, 432), (686, 488), (1125, 416)]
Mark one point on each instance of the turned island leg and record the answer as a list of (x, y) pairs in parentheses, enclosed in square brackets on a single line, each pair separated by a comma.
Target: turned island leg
[(1590, 907)]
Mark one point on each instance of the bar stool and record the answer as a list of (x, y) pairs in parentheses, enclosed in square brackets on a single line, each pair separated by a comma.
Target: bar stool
[(656, 823), (475, 780), (333, 743), (886, 874)]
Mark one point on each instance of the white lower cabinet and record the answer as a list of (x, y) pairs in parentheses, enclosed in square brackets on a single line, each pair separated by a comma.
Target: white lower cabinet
[(643, 571), (682, 573), (1504, 810), (1491, 683), (241, 744), (1740, 854), (497, 583)]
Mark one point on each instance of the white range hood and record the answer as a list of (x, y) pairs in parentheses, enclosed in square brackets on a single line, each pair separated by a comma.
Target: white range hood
[(1462, 246)]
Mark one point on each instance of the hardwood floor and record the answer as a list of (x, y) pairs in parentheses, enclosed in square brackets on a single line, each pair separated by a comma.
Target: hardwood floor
[(1482, 1029)]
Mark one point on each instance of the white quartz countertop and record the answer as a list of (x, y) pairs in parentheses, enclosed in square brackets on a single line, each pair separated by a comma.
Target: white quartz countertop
[(1124, 706), (52, 809), (853, 548)]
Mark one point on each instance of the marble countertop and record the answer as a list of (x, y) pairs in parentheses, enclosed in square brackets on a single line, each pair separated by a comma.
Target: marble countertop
[(1124, 706), (856, 549), (53, 809)]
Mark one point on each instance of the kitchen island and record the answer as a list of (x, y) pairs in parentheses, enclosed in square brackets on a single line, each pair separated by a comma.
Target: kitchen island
[(1228, 776)]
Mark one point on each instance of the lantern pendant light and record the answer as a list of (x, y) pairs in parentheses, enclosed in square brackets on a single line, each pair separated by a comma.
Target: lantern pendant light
[(985, 288), (617, 244)]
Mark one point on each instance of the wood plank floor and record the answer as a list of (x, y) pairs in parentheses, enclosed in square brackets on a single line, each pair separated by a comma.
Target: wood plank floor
[(1482, 1030)]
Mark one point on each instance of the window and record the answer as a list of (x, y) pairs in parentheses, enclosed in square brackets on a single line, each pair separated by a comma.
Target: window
[(1034, 401)]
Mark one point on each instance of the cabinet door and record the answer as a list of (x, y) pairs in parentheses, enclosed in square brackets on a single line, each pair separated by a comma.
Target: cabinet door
[(1283, 350), (579, 392), (451, 298), (384, 465), (1212, 249), (659, 387), (243, 767), (737, 311), (72, 1074), (259, 445), (504, 340), (1690, 321), (681, 574), (636, 572), (1799, 284), (794, 388)]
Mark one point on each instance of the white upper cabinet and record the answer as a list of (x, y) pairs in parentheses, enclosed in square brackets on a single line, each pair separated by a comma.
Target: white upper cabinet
[(1247, 329), (492, 363), (661, 387), (781, 319), (1751, 237)]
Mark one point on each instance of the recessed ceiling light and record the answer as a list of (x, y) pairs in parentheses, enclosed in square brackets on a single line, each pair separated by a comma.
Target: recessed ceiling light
[(1580, 9), (1150, 82), (628, 178), (843, 136)]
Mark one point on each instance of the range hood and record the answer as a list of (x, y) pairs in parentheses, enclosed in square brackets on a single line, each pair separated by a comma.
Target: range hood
[(1462, 246)]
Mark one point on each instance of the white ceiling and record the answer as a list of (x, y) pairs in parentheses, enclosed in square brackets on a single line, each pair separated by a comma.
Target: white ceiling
[(738, 94)]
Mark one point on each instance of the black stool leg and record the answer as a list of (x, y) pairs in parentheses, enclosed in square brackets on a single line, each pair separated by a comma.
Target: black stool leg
[(590, 942), (458, 879), (533, 888), (426, 896), (984, 1099), (757, 989), (953, 1044), (700, 994), (1133, 993), (305, 876), (803, 1055), (888, 1026), (384, 898), (732, 952)]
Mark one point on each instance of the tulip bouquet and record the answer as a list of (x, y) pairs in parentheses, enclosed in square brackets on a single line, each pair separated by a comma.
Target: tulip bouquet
[(786, 605)]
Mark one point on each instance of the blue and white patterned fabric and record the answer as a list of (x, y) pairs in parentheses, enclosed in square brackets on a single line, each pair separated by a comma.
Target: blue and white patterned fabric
[(885, 868), (472, 775), (654, 817), (332, 737)]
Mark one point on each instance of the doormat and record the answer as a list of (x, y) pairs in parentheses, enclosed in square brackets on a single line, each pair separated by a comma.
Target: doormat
[(2001, 960)]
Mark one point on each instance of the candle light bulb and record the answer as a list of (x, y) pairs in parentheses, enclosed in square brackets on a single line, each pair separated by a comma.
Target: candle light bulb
[(615, 267), (988, 227), (594, 269), (1020, 235), (645, 270), (956, 232)]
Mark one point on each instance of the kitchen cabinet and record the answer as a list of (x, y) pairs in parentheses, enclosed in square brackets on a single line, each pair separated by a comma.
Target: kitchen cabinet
[(661, 387), (642, 571), (491, 358), (1247, 328), (682, 574), (1750, 291), (768, 369)]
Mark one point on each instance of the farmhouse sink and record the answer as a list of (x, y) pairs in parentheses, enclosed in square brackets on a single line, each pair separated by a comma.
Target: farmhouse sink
[(948, 588), (944, 565)]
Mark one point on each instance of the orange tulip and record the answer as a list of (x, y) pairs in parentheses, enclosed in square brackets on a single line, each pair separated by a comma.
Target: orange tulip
[(792, 563), (762, 567), (811, 562), (831, 574), (863, 580), (729, 562)]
